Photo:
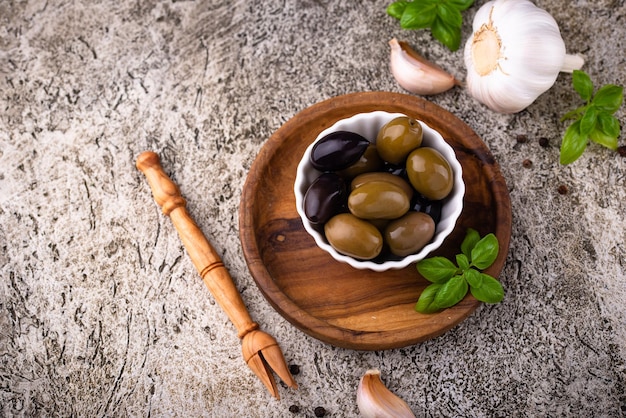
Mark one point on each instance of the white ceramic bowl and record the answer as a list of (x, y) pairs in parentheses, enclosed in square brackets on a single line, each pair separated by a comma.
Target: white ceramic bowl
[(368, 125)]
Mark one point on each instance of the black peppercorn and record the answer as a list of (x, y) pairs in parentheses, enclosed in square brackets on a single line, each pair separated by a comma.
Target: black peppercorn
[(320, 412), (294, 369)]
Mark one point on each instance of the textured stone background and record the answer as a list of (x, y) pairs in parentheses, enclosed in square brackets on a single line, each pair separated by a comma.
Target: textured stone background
[(102, 313)]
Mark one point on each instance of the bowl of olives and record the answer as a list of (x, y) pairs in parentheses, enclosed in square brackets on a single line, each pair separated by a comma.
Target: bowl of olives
[(379, 190)]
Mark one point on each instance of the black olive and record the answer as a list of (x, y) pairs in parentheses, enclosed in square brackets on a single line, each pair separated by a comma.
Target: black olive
[(396, 170), (338, 150), (325, 197), (430, 207)]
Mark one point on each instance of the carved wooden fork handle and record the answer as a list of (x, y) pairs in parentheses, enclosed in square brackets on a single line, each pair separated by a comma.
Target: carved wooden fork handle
[(215, 276)]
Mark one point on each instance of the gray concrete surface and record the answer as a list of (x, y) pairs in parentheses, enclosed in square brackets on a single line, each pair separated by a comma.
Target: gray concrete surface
[(102, 313)]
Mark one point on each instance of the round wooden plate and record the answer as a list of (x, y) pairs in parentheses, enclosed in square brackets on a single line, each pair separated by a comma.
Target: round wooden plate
[(331, 301)]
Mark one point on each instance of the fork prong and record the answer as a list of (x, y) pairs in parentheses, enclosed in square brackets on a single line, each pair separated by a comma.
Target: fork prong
[(274, 357), (262, 353), (263, 372)]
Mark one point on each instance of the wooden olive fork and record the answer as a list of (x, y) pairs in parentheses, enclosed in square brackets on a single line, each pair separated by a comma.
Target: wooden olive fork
[(260, 350)]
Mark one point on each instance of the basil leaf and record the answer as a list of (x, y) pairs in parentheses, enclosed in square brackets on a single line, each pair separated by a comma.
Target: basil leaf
[(473, 278), (588, 121), (485, 251), (451, 283), (469, 242), (451, 292), (443, 17), (609, 98), (609, 124), (436, 269), (574, 114), (462, 261), (573, 144), (462, 4), (425, 302), (582, 84), (448, 35), (418, 16), (449, 15), (491, 290), (396, 9), (603, 139)]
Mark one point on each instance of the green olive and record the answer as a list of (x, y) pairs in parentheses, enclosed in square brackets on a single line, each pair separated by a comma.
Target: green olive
[(369, 161), (382, 176), (380, 224), (429, 173), (409, 234), (398, 138), (378, 200), (353, 237)]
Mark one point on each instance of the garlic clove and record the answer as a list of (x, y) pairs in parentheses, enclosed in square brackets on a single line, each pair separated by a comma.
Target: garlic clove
[(514, 55), (376, 401), (415, 73)]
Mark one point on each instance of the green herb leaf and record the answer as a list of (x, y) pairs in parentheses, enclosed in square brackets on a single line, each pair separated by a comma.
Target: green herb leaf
[(450, 284), (588, 121), (451, 292), (603, 139), (609, 124), (462, 4), (609, 98), (425, 302), (485, 251), (450, 15), (462, 261), (443, 17), (491, 290), (573, 144), (418, 15), (471, 238), (437, 269), (396, 9), (574, 114), (582, 84), (448, 35), (593, 121), (473, 278)]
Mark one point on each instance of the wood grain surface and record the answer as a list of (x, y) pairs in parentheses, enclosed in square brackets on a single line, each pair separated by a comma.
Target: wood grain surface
[(330, 300)]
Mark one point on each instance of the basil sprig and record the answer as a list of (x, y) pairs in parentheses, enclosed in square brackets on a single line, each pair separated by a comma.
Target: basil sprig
[(450, 282), (593, 121), (443, 17)]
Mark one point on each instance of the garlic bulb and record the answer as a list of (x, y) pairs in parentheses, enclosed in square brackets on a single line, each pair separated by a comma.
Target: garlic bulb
[(415, 73), (376, 401), (514, 55)]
